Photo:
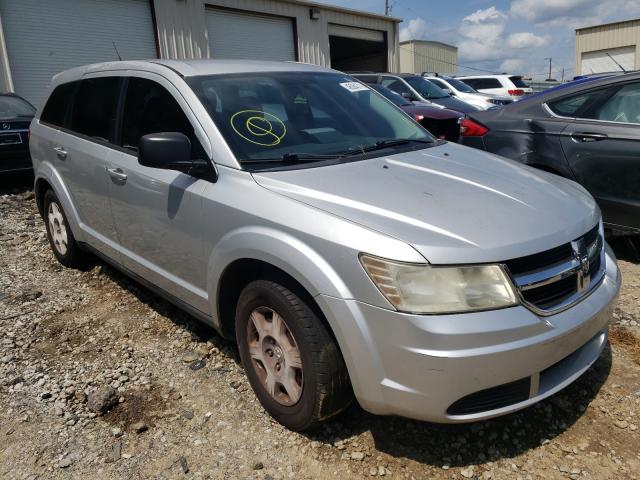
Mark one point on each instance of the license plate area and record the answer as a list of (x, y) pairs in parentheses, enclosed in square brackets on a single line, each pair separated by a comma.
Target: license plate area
[(10, 139)]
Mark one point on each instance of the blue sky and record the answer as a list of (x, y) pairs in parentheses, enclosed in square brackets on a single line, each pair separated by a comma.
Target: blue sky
[(504, 35)]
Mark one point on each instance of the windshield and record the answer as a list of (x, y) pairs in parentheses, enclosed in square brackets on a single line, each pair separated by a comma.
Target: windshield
[(392, 96), (460, 86), (425, 88), (279, 116), (12, 107)]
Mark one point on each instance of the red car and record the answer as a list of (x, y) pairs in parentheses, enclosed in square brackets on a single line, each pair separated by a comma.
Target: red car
[(441, 122)]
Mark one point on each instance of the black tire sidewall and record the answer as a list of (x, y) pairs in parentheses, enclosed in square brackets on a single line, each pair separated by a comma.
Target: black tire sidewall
[(266, 294)]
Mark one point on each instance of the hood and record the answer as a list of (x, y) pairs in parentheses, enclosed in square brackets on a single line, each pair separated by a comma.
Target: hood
[(451, 203), (434, 112), (454, 104)]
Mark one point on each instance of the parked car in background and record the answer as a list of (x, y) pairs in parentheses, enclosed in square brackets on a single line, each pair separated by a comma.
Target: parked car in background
[(15, 116), (588, 131), (416, 88), (459, 89), (441, 122), (345, 250), (507, 85)]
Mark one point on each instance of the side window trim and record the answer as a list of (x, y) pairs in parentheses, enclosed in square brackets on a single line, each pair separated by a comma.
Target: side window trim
[(612, 89)]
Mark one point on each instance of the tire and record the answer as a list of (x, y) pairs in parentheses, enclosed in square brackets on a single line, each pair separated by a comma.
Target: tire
[(63, 243), (316, 390)]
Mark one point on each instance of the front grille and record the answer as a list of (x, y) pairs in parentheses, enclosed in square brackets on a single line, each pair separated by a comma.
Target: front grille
[(557, 278), (492, 398)]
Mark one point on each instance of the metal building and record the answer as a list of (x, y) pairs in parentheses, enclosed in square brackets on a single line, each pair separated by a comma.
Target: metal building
[(604, 48), (39, 39), (417, 56)]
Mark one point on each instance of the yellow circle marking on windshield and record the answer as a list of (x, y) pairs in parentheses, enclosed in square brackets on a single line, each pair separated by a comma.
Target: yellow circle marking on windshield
[(258, 127)]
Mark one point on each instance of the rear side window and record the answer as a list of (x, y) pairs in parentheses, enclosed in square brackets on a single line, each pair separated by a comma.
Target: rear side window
[(150, 108), (572, 106), (518, 82), (483, 83), (57, 107), (94, 108)]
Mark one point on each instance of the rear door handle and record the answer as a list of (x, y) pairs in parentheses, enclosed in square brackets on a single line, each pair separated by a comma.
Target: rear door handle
[(61, 152), (117, 174), (584, 137)]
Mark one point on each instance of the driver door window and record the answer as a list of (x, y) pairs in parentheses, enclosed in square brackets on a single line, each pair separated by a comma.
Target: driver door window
[(150, 108)]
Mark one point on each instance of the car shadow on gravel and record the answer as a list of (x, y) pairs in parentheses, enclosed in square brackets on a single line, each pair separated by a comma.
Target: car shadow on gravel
[(199, 331), (470, 444), (626, 247), (12, 183)]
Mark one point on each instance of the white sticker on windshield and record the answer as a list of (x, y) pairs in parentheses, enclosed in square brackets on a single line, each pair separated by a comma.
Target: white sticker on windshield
[(354, 86)]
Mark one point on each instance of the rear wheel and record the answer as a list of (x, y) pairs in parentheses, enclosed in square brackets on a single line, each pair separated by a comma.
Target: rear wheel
[(61, 239), (292, 362)]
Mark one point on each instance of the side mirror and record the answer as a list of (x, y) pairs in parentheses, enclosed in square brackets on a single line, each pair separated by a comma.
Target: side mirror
[(169, 151), (449, 91), (409, 96)]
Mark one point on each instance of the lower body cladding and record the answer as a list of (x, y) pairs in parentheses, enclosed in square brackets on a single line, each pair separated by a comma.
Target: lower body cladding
[(467, 367)]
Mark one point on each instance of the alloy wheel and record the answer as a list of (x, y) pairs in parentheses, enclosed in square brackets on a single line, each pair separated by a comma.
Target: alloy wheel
[(275, 356)]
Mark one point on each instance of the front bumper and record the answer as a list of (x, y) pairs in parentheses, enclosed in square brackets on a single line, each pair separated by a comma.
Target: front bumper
[(421, 366)]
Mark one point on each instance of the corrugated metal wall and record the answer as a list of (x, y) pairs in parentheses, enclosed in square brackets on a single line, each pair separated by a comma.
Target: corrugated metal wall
[(418, 57), (183, 32), (605, 37)]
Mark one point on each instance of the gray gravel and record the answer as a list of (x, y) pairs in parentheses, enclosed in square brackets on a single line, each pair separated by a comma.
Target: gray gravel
[(101, 378)]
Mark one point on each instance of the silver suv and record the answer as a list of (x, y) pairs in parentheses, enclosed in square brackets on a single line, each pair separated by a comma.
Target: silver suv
[(347, 251)]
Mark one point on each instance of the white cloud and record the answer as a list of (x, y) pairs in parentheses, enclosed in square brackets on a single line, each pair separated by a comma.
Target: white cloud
[(512, 65), (482, 35), (554, 11), (416, 29), (525, 40)]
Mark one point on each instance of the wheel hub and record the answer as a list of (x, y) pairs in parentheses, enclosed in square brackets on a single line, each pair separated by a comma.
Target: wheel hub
[(275, 356), (57, 228)]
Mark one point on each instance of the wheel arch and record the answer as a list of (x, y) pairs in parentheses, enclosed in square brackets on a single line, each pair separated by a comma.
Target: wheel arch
[(48, 178), (257, 252)]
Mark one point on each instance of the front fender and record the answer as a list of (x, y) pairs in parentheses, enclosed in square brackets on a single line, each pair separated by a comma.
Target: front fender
[(279, 249)]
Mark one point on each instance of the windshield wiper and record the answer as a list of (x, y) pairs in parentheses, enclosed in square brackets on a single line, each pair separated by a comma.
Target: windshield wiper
[(295, 158), (382, 144)]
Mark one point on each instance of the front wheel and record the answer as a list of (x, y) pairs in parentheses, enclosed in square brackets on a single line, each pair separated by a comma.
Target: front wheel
[(292, 362)]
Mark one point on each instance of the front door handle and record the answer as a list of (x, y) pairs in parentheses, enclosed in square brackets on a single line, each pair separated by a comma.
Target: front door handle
[(584, 137), (61, 153), (117, 174)]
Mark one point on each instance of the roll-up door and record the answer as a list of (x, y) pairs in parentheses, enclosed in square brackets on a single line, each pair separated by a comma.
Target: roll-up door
[(47, 37), (250, 36)]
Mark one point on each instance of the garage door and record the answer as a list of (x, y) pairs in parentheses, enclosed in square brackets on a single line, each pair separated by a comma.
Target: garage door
[(250, 36), (597, 62), (44, 38)]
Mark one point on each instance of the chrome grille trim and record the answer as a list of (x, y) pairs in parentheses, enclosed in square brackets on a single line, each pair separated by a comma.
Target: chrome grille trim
[(580, 265)]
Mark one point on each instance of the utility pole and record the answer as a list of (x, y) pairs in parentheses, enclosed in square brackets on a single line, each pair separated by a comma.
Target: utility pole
[(386, 7), (549, 58)]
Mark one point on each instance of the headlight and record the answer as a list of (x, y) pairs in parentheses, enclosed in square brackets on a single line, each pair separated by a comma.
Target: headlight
[(427, 289), (494, 101)]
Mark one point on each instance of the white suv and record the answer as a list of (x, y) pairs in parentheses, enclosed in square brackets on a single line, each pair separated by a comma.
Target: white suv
[(464, 92), (511, 85)]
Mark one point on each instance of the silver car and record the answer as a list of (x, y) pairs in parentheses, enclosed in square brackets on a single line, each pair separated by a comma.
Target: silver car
[(347, 251)]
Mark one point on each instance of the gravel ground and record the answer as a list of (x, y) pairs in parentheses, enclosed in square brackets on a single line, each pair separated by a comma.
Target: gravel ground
[(178, 404)]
